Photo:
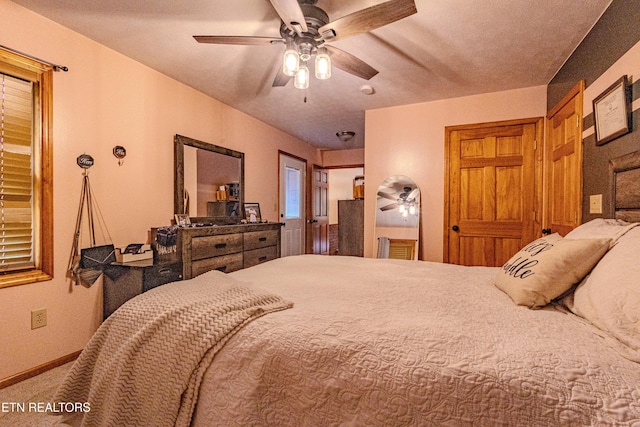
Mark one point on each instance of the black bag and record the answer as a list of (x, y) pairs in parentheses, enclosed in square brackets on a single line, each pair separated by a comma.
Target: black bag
[(97, 257), (92, 262)]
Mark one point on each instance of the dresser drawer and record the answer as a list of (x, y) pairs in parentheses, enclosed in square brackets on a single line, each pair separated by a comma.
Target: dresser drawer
[(213, 246), (225, 263), (258, 256), (160, 275), (260, 239)]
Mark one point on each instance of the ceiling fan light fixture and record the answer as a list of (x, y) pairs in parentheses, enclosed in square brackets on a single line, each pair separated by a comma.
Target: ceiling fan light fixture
[(291, 60), (323, 64), (301, 79), (345, 135), (305, 51)]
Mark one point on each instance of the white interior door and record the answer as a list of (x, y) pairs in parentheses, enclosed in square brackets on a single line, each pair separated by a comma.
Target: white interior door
[(292, 208)]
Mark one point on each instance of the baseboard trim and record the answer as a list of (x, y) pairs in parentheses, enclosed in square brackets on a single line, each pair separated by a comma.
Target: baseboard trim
[(38, 369)]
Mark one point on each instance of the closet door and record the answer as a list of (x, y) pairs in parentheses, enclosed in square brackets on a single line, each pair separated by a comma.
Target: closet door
[(492, 190), (563, 164)]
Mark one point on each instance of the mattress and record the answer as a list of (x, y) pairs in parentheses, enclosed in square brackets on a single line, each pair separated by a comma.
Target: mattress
[(387, 342)]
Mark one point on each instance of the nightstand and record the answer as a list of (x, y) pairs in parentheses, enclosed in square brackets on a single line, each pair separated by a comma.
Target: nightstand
[(124, 281)]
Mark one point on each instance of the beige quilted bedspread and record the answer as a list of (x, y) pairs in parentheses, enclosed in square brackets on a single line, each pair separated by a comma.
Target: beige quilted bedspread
[(144, 365), (400, 343)]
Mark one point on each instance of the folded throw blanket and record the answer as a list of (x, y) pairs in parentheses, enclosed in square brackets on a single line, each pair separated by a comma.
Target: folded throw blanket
[(144, 365)]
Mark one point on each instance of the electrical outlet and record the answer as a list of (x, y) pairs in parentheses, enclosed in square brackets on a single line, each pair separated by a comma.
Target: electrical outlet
[(38, 318)]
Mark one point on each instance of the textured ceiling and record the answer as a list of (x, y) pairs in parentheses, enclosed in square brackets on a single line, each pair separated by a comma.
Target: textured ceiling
[(450, 48)]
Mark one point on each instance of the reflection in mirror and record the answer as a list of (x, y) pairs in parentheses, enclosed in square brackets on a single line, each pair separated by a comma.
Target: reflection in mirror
[(398, 218), (209, 181)]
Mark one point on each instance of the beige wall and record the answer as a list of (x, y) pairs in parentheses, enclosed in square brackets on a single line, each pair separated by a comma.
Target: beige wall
[(409, 140), (107, 99), (352, 157)]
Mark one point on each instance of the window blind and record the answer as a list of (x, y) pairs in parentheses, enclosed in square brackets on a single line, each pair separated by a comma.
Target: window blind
[(16, 166)]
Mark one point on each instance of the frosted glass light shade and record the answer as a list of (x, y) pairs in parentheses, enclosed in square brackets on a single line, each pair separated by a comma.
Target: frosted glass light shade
[(323, 65), (291, 62), (301, 80)]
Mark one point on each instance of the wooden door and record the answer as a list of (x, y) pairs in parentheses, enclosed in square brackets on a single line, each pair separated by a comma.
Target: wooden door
[(320, 215), (563, 164), (491, 190), (292, 204)]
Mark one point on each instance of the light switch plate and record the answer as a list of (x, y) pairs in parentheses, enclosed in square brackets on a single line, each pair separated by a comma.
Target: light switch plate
[(595, 204)]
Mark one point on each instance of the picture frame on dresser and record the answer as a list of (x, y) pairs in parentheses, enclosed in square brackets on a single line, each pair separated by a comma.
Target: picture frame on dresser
[(252, 212), (612, 112), (182, 220)]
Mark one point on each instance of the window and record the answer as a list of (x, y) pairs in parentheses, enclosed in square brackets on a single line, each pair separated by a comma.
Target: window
[(26, 184), (293, 206)]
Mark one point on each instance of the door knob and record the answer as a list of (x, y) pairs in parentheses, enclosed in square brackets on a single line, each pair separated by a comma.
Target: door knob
[(455, 228), (546, 231)]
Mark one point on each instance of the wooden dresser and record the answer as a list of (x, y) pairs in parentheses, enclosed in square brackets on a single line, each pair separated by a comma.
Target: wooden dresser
[(226, 247)]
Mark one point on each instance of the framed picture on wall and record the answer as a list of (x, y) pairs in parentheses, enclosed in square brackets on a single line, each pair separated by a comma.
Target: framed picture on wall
[(612, 112), (252, 212)]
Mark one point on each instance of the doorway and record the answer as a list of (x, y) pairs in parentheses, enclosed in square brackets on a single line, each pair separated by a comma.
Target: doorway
[(341, 183), (292, 196)]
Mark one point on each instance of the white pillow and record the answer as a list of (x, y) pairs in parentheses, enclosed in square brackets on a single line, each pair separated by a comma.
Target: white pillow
[(601, 228), (609, 297), (548, 267)]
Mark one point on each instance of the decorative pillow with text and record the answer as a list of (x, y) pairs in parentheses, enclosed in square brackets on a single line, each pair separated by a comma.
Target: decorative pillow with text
[(548, 267)]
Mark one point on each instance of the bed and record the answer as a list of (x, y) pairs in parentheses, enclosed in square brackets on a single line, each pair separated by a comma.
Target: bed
[(345, 341)]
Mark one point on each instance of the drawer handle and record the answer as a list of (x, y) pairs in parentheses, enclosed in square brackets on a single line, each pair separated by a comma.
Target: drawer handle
[(164, 271), (223, 268), (221, 245), (262, 258), (263, 239)]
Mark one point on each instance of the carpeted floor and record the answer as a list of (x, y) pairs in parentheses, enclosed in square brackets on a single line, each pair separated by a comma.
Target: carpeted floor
[(15, 410)]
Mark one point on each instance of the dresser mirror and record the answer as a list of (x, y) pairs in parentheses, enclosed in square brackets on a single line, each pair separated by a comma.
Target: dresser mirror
[(208, 181)]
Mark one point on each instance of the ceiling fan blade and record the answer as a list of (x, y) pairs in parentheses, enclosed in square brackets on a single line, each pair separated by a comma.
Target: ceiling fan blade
[(413, 193), (349, 63), (291, 14), (241, 40), (387, 196), (281, 79), (368, 19), (389, 207)]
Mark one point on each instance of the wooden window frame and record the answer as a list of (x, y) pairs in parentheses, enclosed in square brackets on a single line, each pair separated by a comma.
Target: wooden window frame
[(42, 75)]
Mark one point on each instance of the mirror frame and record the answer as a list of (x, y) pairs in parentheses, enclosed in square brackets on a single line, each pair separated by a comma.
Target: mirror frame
[(178, 162)]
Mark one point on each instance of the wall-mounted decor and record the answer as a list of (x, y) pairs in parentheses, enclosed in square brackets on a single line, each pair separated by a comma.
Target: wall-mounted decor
[(119, 152), (252, 212), (612, 112), (85, 161)]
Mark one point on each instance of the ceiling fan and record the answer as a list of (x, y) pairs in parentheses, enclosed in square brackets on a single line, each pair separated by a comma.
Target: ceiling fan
[(405, 202), (305, 29)]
